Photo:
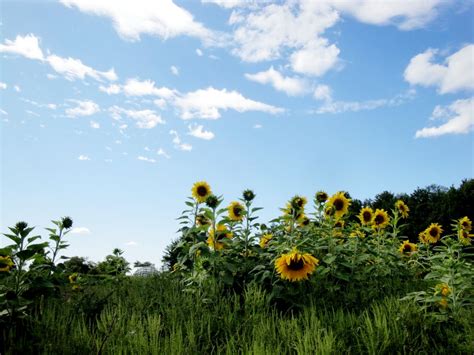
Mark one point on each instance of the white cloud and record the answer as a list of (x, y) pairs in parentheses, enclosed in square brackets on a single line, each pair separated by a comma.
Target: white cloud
[(335, 107), (80, 230), (32, 113), (174, 70), (144, 118), (95, 124), (199, 52), (135, 87), (199, 132), (73, 69), (208, 103), (3, 112), (266, 33), (3, 85), (83, 157), (323, 92), (131, 19), (291, 86), (315, 58), (406, 15), (131, 243), (459, 116), (160, 103), (257, 126), (178, 144), (51, 76), (83, 108), (149, 160), (27, 46), (17, 88), (52, 106), (112, 89), (161, 152), (37, 104), (456, 74), (229, 4)]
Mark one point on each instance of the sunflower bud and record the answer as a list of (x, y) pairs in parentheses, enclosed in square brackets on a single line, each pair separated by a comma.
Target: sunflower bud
[(67, 222), (212, 201), (21, 226), (248, 195), (321, 196)]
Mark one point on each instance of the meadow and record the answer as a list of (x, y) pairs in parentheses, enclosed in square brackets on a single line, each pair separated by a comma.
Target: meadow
[(320, 278)]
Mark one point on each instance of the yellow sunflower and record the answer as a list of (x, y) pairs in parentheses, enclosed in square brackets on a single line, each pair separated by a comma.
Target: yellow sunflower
[(265, 239), (380, 219), (295, 266), (433, 232), (407, 248), (464, 237), (201, 191), (465, 223), (443, 303), (298, 202), (303, 221), (422, 237), (365, 215), (357, 233), (202, 220), (402, 208), (221, 232), (339, 224), (339, 203), (73, 277), (236, 211), (6, 263), (443, 289)]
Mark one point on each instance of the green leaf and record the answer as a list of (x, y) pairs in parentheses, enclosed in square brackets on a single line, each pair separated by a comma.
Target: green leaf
[(25, 254), (13, 237), (37, 247), (32, 239)]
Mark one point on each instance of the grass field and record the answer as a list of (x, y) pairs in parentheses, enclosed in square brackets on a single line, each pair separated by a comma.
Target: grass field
[(152, 315)]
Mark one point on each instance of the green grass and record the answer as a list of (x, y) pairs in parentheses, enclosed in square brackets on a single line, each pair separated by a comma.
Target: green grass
[(154, 316)]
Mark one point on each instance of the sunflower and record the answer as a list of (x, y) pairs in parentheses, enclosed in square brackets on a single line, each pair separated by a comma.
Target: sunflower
[(365, 215), (201, 191), (265, 239), (202, 220), (402, 208), (221, 232), (443, 288), (303, 221), (321, 196), (380, 219), (340, 203), (73, 278), (357, 233), (6, 263), (236, 211), (407, 248), (443, 303), (433, 232), (339, 224), (423, 238), (295, 266), (298, 202), (465, 223), (464, 237)]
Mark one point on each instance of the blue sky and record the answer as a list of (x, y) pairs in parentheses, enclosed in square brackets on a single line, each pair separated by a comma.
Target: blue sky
[(110, 111)]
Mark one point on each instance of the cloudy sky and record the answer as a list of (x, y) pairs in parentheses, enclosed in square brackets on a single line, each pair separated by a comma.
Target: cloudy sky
[(110, 110)]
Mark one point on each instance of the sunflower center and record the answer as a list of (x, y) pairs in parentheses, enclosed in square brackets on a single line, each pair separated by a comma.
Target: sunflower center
[(296, 265), (338, 204), (379, 219), (202, 191), (237, 211), (433, 232), (407, 248), (367, 216)]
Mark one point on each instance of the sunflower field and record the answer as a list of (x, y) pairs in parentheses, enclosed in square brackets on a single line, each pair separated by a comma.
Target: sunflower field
[(314, 280)]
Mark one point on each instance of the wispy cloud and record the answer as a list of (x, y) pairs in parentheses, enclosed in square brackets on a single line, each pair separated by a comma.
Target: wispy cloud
[(80, 230), (83, 108), (178, 144), (149, 160), (199, 132), (83, 157)]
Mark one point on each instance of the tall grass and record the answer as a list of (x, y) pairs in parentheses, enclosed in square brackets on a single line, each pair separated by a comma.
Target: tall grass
[(154, 316)]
